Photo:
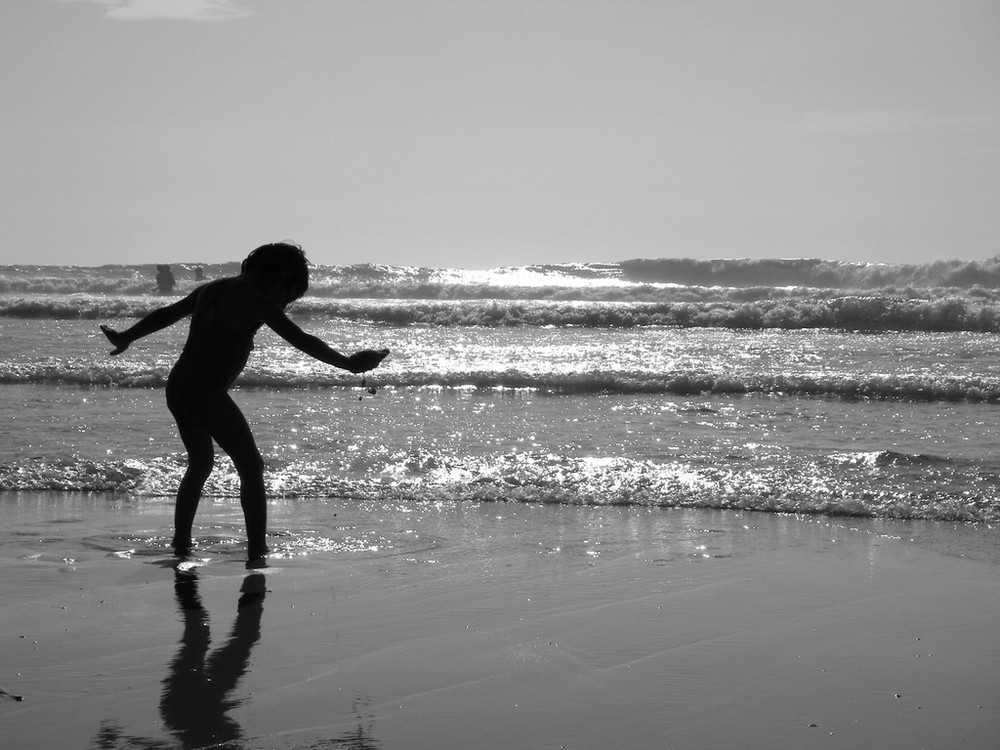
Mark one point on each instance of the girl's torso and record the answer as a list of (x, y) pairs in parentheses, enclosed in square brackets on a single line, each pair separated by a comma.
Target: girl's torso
[(221, 335)]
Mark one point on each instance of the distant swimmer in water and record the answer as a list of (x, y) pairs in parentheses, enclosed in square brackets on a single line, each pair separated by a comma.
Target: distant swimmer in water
[(225, 316), (165, 281)]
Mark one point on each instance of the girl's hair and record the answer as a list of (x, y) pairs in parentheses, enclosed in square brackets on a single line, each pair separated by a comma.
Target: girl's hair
[(277, 258)]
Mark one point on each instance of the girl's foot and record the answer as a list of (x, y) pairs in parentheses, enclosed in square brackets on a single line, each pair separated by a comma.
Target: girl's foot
[(182, 548), (257, 556)]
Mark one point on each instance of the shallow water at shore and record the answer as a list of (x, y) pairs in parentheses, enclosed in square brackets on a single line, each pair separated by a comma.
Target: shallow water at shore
[(899, 459)]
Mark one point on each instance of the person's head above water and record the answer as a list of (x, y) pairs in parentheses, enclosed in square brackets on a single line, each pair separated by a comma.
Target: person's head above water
[(279, 264)]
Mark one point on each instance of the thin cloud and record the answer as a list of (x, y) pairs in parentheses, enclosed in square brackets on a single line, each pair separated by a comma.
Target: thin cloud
[(867, 121), (170, 10), (892, 121)]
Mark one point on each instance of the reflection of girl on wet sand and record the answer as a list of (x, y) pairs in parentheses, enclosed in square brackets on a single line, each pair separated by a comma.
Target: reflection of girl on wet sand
[(196, 692), (225, 316)]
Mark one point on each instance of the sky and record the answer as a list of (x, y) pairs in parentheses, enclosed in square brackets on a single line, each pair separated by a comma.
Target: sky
[(486, 133)]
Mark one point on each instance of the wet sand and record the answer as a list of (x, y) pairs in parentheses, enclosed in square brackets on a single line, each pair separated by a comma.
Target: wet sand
[(501, 626)]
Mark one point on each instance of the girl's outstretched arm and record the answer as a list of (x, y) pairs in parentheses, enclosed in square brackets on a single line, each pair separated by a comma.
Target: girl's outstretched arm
[(362, 361), (151, 323)]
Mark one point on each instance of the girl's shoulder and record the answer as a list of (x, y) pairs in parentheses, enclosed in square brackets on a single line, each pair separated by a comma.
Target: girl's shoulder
[(234, 301)]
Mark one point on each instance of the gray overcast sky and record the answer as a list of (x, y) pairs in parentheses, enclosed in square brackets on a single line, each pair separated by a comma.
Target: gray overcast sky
[(502, 132)]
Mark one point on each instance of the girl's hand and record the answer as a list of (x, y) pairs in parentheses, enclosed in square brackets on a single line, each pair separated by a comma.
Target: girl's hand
[(117, 340), (367, 359)]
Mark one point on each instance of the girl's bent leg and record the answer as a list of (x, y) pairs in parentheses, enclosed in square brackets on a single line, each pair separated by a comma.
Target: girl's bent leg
[(201, 456), (253, 500), (229, 427)]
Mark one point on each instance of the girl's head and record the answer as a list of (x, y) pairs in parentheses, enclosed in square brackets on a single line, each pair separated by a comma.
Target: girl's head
[(279, 264)]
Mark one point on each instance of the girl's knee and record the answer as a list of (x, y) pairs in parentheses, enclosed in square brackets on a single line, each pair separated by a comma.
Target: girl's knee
[(250, 466), (201, 466)]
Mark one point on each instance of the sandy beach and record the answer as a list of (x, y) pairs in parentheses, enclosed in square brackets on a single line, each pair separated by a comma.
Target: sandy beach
[(502, 626)]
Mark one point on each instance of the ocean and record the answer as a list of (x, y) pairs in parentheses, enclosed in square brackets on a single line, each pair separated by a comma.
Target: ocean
[(853, 391), (650, 503)]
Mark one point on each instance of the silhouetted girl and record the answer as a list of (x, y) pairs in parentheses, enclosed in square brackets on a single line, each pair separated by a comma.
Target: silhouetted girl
[(225, 315)]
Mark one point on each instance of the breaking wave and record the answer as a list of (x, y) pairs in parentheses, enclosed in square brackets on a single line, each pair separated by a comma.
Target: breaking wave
[(877, 484), (740, 294), (682, 382), (868, 313)]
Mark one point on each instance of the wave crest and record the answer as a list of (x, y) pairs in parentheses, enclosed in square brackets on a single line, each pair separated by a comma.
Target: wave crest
[(869, 313), (678, 383), (906, 486)]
